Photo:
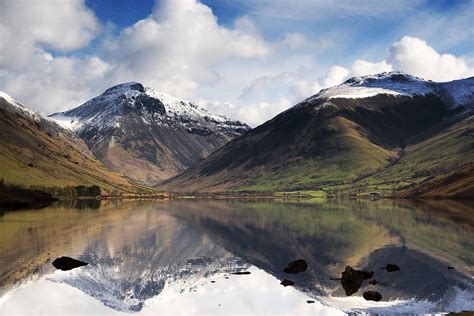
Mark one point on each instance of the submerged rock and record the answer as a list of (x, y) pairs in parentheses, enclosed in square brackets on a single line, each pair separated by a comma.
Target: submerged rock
[(450, 268), (391, 267), (286, 282), (374, 282), (67, 263), (296, 266), (352, 279), (372, 296)]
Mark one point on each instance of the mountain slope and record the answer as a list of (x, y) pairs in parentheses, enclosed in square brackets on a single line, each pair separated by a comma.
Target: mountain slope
[(35, 151), (147, 135), (344, 136)]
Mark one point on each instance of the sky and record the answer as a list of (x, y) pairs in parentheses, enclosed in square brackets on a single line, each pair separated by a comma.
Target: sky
[(246, 59)]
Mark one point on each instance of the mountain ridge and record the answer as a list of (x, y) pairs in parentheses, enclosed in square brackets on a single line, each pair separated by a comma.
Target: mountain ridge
[(336, 138), (147, 135)]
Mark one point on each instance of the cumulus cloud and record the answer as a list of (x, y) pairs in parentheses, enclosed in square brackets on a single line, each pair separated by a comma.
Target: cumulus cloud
[(363, 67), (177, 47), (416, 57), (55, 83), (252, 113), (26, 26), (28, 71)]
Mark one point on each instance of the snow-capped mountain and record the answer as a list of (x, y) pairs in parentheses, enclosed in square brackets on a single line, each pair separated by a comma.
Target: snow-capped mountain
[(145, 134), (391, 123), (456, 93)]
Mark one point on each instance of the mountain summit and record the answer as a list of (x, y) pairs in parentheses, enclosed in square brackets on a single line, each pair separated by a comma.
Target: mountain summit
[(388, 132), (457, 93), (147, 135)]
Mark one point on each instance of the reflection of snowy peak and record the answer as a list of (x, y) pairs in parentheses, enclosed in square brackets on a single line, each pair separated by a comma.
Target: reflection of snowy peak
[(455, 93), (124, 280), (148, 135)]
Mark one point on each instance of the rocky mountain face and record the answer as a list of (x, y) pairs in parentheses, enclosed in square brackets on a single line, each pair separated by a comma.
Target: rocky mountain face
[(387, 132), (148, 135), (35, 151)]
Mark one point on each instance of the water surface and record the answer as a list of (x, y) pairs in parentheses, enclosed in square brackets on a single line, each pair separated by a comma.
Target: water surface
[(178, 257)]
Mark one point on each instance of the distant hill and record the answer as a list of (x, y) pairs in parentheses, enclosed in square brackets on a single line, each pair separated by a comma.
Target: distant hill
[(387, 133), (35, 151)]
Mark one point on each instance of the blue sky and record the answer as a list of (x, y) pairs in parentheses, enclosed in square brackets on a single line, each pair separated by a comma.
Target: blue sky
[(361, 29), (243, 58)]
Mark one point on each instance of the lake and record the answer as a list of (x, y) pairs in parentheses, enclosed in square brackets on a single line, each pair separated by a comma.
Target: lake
[(180, 257)]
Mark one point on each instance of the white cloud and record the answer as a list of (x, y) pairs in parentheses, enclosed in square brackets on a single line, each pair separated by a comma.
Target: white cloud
[(28, 29), (363, 67), (335, 76), (253, 113), (295, 40), (416, 57), (179, 45), (54, 84), (25, 26)]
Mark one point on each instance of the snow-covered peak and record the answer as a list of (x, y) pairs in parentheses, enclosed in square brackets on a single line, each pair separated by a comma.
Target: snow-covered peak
[(396, 83), (386, 77), (154, 108), (180, 107), (392, 83), (20, 108)]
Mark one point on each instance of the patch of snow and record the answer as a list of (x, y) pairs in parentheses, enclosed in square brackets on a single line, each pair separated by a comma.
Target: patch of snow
[(390, 83), (67, 122), (460, 92), (357, 92), (20, 108), (106, 110)]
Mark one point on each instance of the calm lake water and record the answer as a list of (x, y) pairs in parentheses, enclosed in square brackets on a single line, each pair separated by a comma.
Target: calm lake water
[(177, 257)]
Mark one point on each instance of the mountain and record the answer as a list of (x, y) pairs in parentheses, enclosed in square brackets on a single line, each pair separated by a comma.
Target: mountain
[(148, 135), (387, 132), (35, 151)]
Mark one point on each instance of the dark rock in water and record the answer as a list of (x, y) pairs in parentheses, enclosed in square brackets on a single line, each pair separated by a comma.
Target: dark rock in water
[(372, 296), (67, 263), (226, 277), (374, 282), (286, 282), (450, 268), (296, 266), (391, 267), (213, 281), (241, 272), (310, 301), (352, 279)]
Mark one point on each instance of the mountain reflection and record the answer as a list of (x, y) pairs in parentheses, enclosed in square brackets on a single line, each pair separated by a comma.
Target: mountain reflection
[(140, 250)]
